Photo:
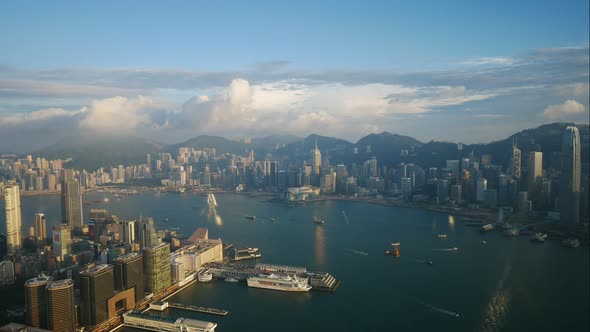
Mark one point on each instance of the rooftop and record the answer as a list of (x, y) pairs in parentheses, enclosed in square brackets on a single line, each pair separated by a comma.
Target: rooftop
[(95, 270), (60, 283), (41, 280)]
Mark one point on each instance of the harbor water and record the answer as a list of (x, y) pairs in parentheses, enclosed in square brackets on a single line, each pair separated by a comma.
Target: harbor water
[(507, 284)]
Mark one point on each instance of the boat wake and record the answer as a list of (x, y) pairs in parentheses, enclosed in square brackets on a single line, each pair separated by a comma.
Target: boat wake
[(447, 249), (441, 310), (358, 252), (346, 221)]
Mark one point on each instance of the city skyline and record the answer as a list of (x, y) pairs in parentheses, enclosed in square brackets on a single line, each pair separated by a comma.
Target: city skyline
[(400, 69)]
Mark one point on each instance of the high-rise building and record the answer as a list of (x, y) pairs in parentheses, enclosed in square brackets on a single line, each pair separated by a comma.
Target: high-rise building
[(61, 306), (128, 231), (146, 233), (482, 186), (71, 200), (36, 301), (569, 183), (40, 227), (129, 274), (534, 172), (97, 285), (156, 266), (62, 241), (515, 163), (316, 159), (13, 218)]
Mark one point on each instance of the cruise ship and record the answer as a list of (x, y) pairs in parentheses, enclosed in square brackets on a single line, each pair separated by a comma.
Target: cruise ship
[(279, 282)]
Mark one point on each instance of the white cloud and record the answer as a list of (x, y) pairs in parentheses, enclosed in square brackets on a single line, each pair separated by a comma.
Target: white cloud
[(40, 115), (569, 107), (120, 113), (499, 60)]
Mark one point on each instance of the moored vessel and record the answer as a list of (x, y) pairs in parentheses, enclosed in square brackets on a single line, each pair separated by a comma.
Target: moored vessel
[(487, 228), (284, 283), (317, 220)]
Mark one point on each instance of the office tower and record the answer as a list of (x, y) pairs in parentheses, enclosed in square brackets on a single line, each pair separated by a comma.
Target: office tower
[(71, 200), (406, 185), (128, 231), (97, 285), (62, 240), (453, 166), (534, 172), (515, 163), (482, 186), (7, 276), (316, 159), (61, 306), (40, 227), (146, 233), (156, 266), (569, 183), (13, 218), (456, 193), (36, 301), (129, 274)]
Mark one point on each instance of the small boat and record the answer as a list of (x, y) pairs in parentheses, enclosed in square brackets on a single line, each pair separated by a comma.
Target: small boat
[(165, 219), (429, 262), (273, 219), (538, 237), (487, 228), (318, 221), (395, 251), (230, 279), (571, 243), (251, 217), (483, 242), (442, 236)]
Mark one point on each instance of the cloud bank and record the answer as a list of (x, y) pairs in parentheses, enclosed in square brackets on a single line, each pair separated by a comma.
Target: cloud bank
[(274, 98)]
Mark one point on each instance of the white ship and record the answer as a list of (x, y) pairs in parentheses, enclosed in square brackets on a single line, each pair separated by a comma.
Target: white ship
[(211, 199), (279, 282)]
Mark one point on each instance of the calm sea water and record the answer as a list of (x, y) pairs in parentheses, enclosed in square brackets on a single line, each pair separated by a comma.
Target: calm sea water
[(506, 284)]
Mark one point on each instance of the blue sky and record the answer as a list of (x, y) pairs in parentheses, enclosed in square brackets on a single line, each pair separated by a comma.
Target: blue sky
[(293, 64)]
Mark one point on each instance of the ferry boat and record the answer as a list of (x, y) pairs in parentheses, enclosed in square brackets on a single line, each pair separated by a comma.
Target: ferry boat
[(571, 242), (318, 221), (279, 282), (539, 237), (205, 275), (487, 228), (251, 217), (512, 232)]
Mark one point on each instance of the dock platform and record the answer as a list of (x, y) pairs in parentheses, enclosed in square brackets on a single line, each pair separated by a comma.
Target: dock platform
[(212, 311)]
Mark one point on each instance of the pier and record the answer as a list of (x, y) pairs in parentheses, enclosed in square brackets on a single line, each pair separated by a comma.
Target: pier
[(212, 311)]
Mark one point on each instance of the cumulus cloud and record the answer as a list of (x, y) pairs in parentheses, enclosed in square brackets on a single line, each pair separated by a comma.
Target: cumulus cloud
[(119, 113), (569, 107)]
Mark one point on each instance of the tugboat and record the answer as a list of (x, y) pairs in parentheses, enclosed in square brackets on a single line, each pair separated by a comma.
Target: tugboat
[(318, 221)]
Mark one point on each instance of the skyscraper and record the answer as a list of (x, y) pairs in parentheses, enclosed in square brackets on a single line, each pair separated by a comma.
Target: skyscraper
[(156, 266), (71, 200), (129, 274), (569, 183), (515, 162), (316, 159), (62, 240), (36, 301), (146, 233), (534, 172), (61, 306), (13, 218), (40, 227), (96, 287)]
